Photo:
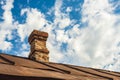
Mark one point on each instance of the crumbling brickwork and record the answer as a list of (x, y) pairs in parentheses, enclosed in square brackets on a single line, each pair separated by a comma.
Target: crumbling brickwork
[(38, 51)]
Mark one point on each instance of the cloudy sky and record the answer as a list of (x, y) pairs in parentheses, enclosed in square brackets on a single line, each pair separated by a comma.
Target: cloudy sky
[(81, 32)]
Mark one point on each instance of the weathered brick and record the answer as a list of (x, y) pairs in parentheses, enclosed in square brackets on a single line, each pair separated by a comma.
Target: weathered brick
[(37, 40)]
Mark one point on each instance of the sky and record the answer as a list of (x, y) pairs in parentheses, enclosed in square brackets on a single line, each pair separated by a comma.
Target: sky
[(81, 32)]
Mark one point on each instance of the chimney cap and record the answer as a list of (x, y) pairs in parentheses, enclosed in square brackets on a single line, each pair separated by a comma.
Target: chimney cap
[(37, 34)]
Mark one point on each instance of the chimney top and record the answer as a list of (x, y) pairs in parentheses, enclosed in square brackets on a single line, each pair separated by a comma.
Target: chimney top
[(38, 35), (37, 40)]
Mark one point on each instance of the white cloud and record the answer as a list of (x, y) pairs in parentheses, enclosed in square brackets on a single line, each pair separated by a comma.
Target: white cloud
[(69, 9), (35, 20), (24, 46), (7, 16), (7, 45), (55, 54), (23, 53), (100, 37), (61, 20), (24, 50), (6, 26), (61, 36)]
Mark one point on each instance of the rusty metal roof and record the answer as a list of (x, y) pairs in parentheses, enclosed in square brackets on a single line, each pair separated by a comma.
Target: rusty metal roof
[(19, 68)]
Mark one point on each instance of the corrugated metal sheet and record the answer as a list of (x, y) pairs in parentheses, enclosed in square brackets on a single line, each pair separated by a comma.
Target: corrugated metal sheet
[(13, 67)]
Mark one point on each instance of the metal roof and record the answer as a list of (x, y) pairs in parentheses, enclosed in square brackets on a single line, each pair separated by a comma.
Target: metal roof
[(19, 68)]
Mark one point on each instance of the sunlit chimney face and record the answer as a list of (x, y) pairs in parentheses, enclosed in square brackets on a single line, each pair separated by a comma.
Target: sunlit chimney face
[(38, 50)]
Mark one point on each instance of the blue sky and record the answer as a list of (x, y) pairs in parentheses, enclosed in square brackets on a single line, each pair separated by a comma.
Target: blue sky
[(81, 32)]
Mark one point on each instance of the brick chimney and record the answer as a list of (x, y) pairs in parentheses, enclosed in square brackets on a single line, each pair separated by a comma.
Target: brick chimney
[(38, 50)]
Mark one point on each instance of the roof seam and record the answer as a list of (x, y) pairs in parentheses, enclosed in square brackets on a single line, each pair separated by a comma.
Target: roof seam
[(9, 61), (106, 72), (89, 72), (65, 71)]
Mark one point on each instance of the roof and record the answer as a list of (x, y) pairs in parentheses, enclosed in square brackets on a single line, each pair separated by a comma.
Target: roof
[(19, 68)]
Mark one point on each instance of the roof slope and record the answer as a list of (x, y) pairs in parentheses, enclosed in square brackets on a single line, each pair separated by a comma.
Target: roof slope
[(13, 67)]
